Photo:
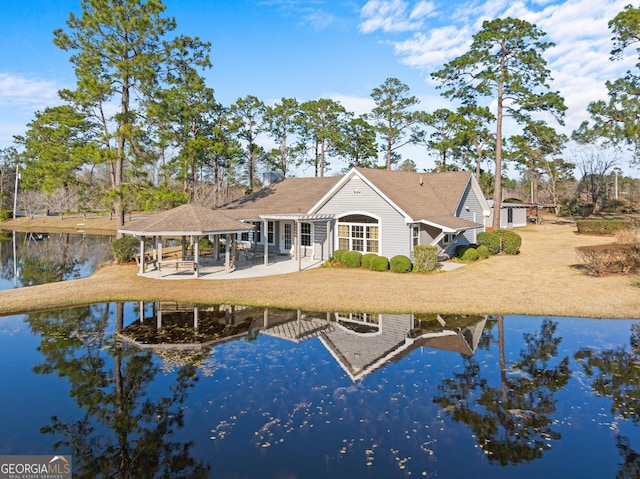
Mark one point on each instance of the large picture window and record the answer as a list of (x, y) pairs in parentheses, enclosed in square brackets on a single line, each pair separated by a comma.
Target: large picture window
[(359, 233)]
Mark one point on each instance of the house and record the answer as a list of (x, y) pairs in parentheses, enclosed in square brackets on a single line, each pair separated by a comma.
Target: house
[(367, 210), (362, 343)]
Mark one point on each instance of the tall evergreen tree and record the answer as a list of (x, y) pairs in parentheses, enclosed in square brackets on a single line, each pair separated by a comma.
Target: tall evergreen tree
[(247, 115), (357, 143), (321, 123), (393, 117), (120, 52), (505, 62), (280, 123), (617, 121)]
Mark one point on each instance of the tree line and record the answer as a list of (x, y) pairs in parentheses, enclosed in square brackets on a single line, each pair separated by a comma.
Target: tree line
[(141, 130)]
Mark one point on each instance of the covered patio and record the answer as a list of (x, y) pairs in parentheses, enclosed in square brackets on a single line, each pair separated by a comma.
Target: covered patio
[(186, 221)]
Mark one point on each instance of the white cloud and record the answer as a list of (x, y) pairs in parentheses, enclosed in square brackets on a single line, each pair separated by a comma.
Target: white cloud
[(20, 98), (354, 104), (392, 16), (434, 49), (16, 90), (422, 9), (579, 63)]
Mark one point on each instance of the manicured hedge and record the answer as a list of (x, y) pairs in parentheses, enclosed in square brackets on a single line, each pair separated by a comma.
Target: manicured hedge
[(352, 259), (380, 263), (490, 240), (367, 259), (425, 258), (602, 227), (400, 264), (469, 255), (483, 251), (460, 249), (337, 255), (510, 241), (505, 241)]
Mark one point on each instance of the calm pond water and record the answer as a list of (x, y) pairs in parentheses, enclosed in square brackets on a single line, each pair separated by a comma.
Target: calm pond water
[(27, 259), (172, 390)]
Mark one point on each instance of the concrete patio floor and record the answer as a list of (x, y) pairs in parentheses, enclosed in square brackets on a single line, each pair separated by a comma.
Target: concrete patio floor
[(245, 268)]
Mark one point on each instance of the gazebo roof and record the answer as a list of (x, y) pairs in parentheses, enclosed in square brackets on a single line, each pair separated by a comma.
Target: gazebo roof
[(186, 220)]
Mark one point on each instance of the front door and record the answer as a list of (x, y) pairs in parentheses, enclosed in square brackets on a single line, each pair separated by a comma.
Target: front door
[(286, 238)]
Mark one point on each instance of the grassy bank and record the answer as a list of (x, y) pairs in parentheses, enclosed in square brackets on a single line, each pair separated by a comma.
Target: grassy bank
[(544, 279)]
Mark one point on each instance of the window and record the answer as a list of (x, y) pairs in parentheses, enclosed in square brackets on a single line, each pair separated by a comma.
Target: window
[(416, 235), (305, 234), (359, 233), (270, 232), (343, 236), (257, 232), (254, 235)]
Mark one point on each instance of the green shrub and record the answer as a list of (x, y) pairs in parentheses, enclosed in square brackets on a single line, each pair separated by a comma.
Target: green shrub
[(400, 264), (460, 249), (125, 249), (367, 259), (380, 263), (352, 259), (510, 241), (602, 227), (490, 240), (483, 251), (425, 258), (5, 214), (470, 254), (337, 255)]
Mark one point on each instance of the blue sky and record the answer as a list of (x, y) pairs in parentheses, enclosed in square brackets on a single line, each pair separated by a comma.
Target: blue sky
[(310, 49)]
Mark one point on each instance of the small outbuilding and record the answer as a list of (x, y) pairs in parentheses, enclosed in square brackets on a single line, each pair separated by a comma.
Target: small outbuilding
[(186, 221)]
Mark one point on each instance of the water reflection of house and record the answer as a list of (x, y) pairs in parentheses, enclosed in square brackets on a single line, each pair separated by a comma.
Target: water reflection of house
[(361, 343), (184, 326)]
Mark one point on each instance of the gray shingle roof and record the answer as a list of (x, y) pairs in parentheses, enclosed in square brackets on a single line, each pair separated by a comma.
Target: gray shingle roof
[(422, 196), (431, 197), (186, 220), (289, 195)]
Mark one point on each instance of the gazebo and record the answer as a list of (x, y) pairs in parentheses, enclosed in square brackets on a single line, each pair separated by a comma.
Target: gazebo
[(185, 221)]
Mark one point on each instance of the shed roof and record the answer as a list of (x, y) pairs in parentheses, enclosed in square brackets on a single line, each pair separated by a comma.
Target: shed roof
[(187, 219)]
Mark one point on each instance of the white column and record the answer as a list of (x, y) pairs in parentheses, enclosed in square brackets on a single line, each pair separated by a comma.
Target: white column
[(196, 256), (142, 255), (265, 235), (298, 245)]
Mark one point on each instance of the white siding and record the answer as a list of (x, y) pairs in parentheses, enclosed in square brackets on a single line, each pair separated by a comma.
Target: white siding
[(357, 197), (471, 210)]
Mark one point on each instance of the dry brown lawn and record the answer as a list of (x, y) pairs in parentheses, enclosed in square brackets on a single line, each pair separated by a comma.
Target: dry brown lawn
[(544, 279)]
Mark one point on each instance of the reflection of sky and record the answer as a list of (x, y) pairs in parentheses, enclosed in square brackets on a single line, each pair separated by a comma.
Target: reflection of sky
[(274, 408)]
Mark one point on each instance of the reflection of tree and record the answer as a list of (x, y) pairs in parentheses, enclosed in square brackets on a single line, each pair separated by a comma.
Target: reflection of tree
[(58, 257), (630, 467), (511, 421), (617, 375), (123, 432)]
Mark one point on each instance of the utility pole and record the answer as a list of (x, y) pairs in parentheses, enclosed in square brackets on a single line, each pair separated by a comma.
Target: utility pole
[(15, 191)]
